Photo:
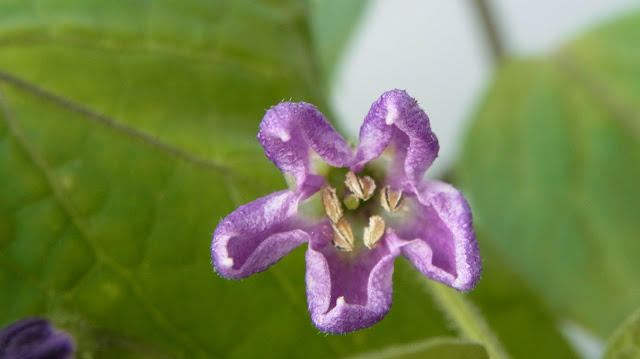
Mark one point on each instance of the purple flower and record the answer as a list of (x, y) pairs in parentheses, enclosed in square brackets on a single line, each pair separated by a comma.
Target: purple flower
[(34, 338), (358, 210)]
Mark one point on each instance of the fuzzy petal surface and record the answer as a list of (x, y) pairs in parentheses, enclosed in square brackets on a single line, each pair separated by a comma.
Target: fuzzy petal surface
[(396, 120), (260, 233), (289, 130), (34, 338), (430, 223), (440, 240), (347, 291)]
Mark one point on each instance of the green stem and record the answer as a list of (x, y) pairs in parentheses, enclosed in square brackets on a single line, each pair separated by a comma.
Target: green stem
[(490, 27), (466, 318)]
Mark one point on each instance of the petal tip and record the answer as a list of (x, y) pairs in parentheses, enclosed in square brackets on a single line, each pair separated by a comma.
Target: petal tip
[(223, 265), (470, 276), (345, 318), (392, 115), (359, 307), (284, 136), (226, 263), (393, 99)]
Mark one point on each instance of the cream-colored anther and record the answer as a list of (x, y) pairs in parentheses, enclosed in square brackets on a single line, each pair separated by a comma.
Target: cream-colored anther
[(342, 235), (374, 231), (332, 205), (391, 200), (363, 187)]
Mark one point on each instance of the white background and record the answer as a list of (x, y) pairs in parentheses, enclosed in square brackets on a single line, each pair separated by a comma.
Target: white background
[(437, 51)]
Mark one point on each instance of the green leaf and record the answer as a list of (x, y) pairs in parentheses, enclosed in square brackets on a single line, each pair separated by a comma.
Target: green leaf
[(436, 348), (333, 22), (127, 131), (551, 168), (625, 343), (525, 326)]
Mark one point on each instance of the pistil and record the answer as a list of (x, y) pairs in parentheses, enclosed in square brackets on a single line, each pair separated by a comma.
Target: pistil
[(360, 188)]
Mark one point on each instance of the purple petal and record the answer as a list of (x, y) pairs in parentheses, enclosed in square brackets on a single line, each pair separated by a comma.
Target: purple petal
[(375, 134), (258, 234), (396, 120), (287, 132), (34, 338), (348, 291), (441, 242)]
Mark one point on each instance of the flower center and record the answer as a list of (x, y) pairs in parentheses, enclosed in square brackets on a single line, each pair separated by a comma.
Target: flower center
[(358, 189)]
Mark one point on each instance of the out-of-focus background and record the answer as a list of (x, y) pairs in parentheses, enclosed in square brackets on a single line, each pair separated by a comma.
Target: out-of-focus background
[(127, 132), (438, 51)]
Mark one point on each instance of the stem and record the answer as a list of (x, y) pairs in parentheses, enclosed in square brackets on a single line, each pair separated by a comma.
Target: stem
[(466, 318), (488, 20)]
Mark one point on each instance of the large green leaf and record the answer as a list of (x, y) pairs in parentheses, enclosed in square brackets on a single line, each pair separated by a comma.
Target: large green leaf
[(333, 22), (127, 131), (552, 170), (524, 325), (625, 343)]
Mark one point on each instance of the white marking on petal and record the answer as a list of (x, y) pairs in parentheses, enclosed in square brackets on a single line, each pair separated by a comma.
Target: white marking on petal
[(285, 136), (392, 115), (227, 262)]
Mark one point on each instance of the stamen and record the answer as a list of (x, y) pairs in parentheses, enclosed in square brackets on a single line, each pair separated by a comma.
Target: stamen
[(391, 200), (374, 231), (332, 205), (363, 188), (342, 235)]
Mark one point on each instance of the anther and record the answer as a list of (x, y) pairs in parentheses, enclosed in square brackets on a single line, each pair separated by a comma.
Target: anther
[(342, 235), (332, 205), (363, 187), (391, 200), (374, 231)]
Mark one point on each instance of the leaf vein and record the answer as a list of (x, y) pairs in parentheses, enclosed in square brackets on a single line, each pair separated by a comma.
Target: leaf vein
[(67, 206), (622, 113), (119, 127)]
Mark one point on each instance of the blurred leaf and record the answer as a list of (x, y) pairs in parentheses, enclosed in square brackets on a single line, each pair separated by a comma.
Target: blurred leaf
[(127, 131), (333, 22), (524, 325), (436, 348), (551, 168), (625, 343)]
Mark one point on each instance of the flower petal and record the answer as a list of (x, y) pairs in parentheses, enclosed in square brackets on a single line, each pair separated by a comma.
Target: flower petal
[(34, 338), (258, 234), (287, 132), (397, 120), (441, 242), (348, 291)]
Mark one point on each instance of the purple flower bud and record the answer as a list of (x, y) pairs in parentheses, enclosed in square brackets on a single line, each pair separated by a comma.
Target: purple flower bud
[(34, 338), (378, 208)]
